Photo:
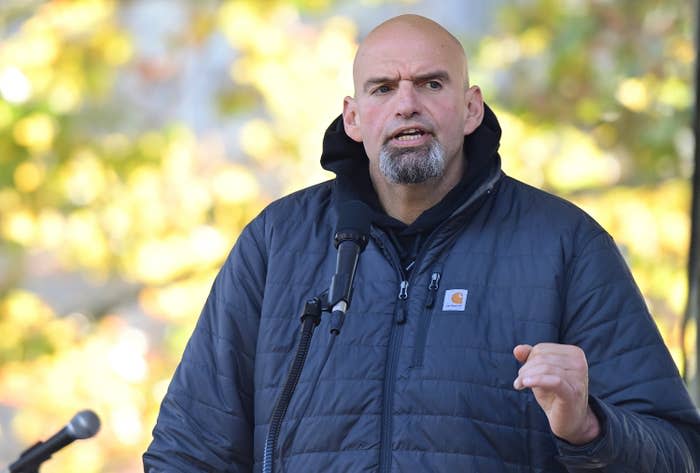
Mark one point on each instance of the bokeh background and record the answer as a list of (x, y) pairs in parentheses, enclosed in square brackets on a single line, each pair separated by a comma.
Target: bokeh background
[(138, 137)]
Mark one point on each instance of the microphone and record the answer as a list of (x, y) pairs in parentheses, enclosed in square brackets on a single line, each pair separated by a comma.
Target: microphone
[(350, 240), (83, 425)]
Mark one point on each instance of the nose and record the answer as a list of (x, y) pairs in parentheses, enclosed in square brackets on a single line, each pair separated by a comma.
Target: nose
[(408, 104)]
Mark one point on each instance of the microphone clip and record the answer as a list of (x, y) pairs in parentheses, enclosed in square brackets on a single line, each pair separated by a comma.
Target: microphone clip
[(357, 237), (313, 309)]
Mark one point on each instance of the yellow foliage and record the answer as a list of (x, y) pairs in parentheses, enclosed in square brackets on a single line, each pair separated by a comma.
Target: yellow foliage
[(562, 158), (534, 40), (6, 116), (235, 185), (73, 18), (28, 176), (85, 240), (257, 139), (161, 208), (19, 226), (153, 262), (106, 371), (178, 302), (316, 68), (606, 134), (502, 51), (65, 94), (207, 245), (35, 132), (681, 47), (84, 177), (36, 48), (675, 92), (14, 86), (152, 143), (116, 220), (633, 93), (10, 201), (116, 48), (23, 309)]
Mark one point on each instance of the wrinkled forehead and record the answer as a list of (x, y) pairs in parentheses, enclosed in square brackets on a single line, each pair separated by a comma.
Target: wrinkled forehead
[(399, 49)]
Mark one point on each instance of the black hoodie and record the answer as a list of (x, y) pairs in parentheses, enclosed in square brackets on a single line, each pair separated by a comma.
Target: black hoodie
[(348, 160)]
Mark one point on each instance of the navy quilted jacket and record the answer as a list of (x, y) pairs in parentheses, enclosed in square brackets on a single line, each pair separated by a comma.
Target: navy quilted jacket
[(421, 378)]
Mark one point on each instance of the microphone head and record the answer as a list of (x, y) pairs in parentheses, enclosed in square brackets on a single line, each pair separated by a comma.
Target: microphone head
[(354, 218), (83, 425)]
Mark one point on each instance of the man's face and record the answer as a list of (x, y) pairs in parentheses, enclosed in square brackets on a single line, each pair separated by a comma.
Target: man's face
[(411, 104)]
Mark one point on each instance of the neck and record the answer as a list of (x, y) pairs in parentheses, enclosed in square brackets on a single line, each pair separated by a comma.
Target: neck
[(405, 202)]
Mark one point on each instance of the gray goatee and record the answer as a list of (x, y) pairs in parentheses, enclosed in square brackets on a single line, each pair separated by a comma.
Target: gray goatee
[(412, 165)]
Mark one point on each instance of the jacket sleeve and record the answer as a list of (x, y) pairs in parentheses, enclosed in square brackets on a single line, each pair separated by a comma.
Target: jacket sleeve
[(649, 424), (205, 421)]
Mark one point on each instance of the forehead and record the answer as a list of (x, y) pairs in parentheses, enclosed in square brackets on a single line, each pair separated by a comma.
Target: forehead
[(408, 51)]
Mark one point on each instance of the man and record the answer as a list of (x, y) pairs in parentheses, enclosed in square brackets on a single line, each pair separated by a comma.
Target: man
[(493, 327)]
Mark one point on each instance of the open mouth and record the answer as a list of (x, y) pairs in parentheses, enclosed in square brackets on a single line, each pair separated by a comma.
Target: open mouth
[(409, 134)]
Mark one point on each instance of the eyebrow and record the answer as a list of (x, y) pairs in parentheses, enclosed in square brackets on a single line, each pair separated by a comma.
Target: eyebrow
[(428, 76)]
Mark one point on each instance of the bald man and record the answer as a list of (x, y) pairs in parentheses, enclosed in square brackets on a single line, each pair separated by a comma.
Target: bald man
[(493, 327)]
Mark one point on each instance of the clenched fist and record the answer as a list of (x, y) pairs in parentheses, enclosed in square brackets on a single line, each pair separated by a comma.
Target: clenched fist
[(558, 377)]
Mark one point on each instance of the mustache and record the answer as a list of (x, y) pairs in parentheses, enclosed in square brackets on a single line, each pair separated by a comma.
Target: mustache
[(395, 128)]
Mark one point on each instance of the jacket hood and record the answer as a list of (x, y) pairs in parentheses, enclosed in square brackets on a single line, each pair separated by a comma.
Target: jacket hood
[(342, 155), (348, 160)]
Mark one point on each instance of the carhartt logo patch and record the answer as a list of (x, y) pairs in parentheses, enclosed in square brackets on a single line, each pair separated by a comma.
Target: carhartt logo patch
[(455, 299)]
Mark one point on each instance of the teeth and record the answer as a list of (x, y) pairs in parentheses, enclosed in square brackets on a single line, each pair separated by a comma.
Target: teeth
[(410, 134)]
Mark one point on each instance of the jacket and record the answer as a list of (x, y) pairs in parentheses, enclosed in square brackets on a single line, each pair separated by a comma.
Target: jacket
[(420, 379)]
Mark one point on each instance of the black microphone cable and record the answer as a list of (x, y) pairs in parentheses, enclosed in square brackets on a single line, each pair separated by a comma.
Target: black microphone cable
[(310, 319), (292, 430), (350, 239)]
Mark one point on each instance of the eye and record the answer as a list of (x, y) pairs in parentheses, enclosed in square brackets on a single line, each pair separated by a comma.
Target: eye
[(433, 85), (382, 89)]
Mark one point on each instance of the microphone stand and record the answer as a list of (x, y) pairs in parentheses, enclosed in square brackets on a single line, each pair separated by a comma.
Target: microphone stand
[(32, 467), (350, 240), (83, 425)]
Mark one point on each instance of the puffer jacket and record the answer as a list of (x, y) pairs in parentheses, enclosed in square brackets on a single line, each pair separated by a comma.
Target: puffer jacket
[(420, 379)]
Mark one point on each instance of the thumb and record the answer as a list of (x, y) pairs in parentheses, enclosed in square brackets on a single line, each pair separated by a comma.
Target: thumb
[(522, 352)]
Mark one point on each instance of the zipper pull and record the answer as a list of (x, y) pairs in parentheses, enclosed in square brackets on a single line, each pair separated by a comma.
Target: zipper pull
[(432, 290), (403, 290), (403, 295)]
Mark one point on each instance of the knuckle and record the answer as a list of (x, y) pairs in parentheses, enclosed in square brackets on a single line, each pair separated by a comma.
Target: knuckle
[(580, 358)]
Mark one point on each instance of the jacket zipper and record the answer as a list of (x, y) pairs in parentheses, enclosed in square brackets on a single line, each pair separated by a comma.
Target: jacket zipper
[(390, 376), (432, 289), (403, 295), (424, 322), (395, 340), (395, 337)]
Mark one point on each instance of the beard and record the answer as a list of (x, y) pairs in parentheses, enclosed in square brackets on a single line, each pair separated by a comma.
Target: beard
[(412, 165)]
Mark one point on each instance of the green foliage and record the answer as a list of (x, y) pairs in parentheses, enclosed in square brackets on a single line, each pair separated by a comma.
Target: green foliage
[(618, 70)]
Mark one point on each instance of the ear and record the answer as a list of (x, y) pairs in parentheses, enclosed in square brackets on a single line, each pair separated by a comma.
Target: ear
[(475, 109), (351, 119)]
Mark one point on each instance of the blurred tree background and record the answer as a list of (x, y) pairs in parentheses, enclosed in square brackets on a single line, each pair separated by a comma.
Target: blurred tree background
[(138, 137)]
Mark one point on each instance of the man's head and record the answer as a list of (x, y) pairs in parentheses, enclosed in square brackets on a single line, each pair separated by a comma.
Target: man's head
[(413, 104)]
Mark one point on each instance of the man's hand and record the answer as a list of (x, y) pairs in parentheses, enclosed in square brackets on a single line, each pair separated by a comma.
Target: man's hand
[(558, 377)]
